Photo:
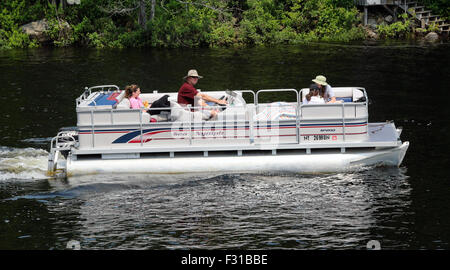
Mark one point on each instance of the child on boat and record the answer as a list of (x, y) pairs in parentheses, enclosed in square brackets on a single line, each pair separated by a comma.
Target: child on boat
[(315, 95), (132, 92)]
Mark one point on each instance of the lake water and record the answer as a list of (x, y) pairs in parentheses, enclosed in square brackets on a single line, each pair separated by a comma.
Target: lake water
[(402, 208)]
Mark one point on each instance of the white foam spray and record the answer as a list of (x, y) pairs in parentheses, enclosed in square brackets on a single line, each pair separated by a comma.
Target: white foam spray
[(22, 163)]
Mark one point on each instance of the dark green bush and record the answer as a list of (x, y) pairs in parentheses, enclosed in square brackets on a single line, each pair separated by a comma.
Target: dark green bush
[(190, 23)]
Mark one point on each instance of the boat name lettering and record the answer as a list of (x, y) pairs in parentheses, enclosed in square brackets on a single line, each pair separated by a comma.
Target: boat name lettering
[(198, 133), (328, 130)]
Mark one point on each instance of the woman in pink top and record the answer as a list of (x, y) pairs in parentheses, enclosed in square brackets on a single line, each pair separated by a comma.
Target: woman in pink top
[(132, 93)]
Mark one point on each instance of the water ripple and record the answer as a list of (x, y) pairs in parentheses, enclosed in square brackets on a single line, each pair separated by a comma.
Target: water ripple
[(249, 211)]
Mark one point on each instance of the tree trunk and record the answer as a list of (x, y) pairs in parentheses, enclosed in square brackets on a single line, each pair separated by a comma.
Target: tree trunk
[(153, 10), (142, 14), (63, 4)]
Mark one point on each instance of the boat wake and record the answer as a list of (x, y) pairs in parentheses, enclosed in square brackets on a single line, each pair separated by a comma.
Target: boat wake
[(38, 141), (23, 163)]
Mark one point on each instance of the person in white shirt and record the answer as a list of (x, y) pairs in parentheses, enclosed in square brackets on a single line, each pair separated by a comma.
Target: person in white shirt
[(315, 95), (321, 82)]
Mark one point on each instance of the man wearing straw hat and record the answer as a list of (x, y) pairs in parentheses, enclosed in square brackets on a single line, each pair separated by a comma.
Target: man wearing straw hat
[(321, 81), (187, 93)]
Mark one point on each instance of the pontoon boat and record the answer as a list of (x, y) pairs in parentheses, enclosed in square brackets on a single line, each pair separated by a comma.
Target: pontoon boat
[(245, 136)]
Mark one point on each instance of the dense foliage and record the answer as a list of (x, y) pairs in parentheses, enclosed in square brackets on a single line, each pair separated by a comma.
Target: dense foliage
[(175, 23), (441, 7)]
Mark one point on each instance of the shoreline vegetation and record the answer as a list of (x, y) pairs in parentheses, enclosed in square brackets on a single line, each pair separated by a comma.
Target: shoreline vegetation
[(195, 23)]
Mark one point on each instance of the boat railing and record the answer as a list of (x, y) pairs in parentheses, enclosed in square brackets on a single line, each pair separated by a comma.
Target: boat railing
[(365, 96), (251, 110), (64, 140), (343, 105), (248, 91), (341, 119), (297, 115), (276, 90)]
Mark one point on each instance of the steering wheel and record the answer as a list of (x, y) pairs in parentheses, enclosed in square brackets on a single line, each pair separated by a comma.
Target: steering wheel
[(223, 105)]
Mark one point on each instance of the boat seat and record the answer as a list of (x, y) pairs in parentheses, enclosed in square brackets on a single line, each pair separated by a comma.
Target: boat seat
[(162, 117), (346, 94), (179, 113), (344, 99), (110, 98), (277, 111), (124, 104), (150, 98)]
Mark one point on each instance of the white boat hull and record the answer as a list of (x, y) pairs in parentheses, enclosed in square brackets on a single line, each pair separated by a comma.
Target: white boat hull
[(300, 163)]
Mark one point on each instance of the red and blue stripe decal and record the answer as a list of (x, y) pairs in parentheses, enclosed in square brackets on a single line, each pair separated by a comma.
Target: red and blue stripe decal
[(133, 135)]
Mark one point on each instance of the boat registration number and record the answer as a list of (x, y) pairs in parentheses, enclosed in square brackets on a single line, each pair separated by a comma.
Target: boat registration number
[(318, 137)]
